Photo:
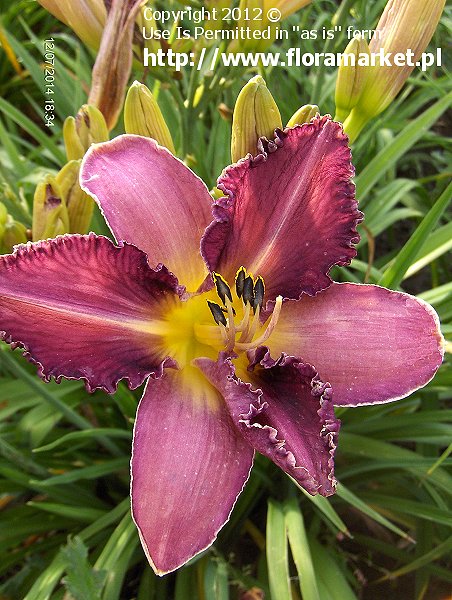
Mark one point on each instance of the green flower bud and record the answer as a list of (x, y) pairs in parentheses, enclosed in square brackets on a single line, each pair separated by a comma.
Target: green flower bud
[(14, 233), (303, 115), (143, 116), (50, 217), (79, 205), (255, 115), (404, 25), (351, 77), (87, 128), (72, 142), (3, 219)]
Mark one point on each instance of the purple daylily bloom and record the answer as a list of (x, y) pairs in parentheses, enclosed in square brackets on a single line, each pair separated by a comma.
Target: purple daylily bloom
[(230, 366)]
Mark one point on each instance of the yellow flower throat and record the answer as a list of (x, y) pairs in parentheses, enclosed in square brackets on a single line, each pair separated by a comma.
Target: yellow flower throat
[(222, 319)]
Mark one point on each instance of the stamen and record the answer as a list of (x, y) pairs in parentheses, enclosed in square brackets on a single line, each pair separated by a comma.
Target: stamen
[(248, 290), (244, 323), (239, 281), (259, 291), (217, 313), (231, 325), (254, 325), (223, 289), (224, 334), (260, 340), (252, 294)]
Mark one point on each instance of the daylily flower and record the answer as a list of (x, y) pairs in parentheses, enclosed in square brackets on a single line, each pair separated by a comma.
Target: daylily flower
[(234, 362)]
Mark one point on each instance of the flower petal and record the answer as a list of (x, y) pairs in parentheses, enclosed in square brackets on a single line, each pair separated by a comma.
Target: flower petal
[(189, 465), (373, 345), (290, 214), (151, 199), (85, 309), (285, 412)]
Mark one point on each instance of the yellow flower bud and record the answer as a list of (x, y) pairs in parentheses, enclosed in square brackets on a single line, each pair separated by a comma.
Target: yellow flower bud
[(3, 219), (79, 205), (255, 115), (50, 217), (351, 77), (303, 115), (86, 19), (14, 233), (404, 25), (87, 128), (72, 142), (143, 116)]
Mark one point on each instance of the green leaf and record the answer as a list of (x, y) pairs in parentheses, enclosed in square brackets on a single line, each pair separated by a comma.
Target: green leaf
[(88, 434), (357, 503), (77, 513), (301, 552), (438, 243), (277, 552), (438, 294), (216, 580), (411, 507), (333, 584), (91, 472), (48, 580), (393, 276), (427, 558), (32, 129), (81, 581), (323, 505), (186, 584), (371, 450), (386, 158)]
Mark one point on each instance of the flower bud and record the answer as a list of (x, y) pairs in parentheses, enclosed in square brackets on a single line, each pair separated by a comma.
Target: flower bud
[(404, 25), (303, 115), (3, 219), (87, 128), (86, 18), (50, 217), (143, 116), (351, 77), (14, 233), (255, 115), (113, 64), (79, 205)]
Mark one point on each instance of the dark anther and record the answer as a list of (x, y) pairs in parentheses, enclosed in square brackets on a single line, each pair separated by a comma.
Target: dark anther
[(223, 289), (239, 281), (248, 290), (217, 313), (259, 290), (225, 310)]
